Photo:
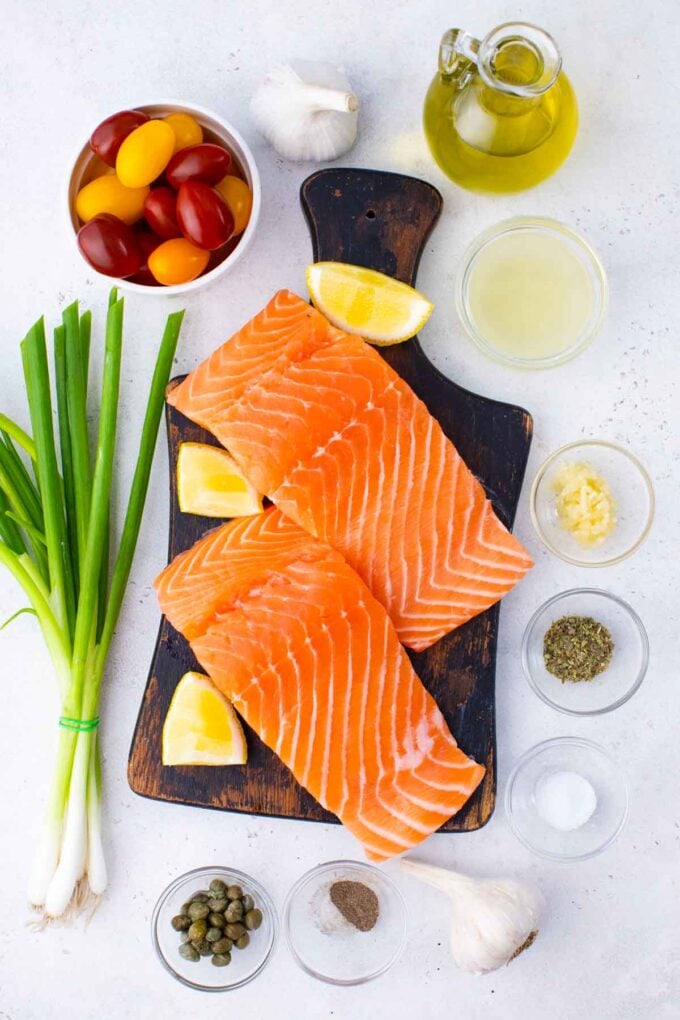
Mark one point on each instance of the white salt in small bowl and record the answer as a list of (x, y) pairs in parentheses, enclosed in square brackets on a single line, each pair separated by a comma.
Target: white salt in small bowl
[(528, 812), (327, 946)]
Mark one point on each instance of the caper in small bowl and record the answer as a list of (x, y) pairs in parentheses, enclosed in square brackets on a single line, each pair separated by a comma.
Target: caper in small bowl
[(214, 962)]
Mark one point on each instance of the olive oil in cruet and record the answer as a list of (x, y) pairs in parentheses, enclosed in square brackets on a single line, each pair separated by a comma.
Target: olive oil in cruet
[(500, 114)]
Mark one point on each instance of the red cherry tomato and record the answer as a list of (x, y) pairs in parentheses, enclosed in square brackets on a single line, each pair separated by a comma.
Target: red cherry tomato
[(208, 163), (110, 246), (160, 212), (148, 242), (107, 139), (203, 215)]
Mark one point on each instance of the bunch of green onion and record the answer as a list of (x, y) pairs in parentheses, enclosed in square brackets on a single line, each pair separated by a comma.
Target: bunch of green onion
[(55, 538)]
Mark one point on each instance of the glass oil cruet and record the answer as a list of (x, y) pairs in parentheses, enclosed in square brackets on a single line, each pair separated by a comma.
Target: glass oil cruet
[(500, 114)]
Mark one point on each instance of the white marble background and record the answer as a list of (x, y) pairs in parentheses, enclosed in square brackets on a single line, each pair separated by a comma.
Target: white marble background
[(610, 943)]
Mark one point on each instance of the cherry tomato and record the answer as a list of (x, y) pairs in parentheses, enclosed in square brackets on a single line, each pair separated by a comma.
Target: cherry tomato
[(208, 163), (107, 139), (187, 130), (107, 195), (160, 212), (239, 199), (148, 242), (203, 215), (144, 154), (110, 246), (177, 261)]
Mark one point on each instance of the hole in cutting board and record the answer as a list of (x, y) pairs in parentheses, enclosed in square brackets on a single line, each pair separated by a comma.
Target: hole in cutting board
[(370, 215)]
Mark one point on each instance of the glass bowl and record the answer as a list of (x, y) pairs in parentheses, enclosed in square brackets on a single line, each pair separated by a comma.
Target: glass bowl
[(508, 237), (245, 964), (622, 677), (86, 166), (631, 489), (327, 946), (589, 760)]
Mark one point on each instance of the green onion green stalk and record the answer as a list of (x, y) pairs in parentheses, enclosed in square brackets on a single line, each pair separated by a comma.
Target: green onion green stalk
[(56, 540)]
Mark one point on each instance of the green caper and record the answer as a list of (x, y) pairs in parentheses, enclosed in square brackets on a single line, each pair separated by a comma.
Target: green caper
[(184, 909), (187, 952), (197, 911), (243, 941), (218, 888), (216, 920), (180, 922), (221, 959), (218, 904), (253, 919), (198, 930), (213, 934), (202, 896), (223, 946), (234, 931), (203, 947), (234, 892), (248, 902), (234, 911)]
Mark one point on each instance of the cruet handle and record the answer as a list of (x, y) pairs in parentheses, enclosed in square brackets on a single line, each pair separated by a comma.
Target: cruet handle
[(457, 53)]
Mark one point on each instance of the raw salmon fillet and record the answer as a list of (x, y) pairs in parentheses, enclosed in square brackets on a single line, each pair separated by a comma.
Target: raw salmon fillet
[(295, 640), (322, 425)]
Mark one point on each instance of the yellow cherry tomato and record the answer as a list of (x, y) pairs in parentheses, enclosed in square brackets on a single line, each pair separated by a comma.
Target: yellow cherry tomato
[(145, 153), (239, 198), (187, 130), (106, 194), (177, 261)]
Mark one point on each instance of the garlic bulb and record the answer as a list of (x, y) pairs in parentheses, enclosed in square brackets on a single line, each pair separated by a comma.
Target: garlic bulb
[(494, 919), (306, 110)]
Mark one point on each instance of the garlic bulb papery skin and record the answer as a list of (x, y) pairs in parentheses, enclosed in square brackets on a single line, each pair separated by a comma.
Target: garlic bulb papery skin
[(307, 111), (494, 919)]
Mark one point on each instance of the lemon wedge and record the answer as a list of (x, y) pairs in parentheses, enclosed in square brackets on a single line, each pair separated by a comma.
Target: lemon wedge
[(201, 727), (377, 307), (209, 483)]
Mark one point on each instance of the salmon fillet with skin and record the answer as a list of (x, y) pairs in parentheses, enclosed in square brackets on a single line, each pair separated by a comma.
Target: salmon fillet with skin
[(322, 425), (292, 636)]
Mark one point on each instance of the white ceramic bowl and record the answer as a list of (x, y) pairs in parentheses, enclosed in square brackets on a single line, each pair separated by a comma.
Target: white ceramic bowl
[(86, 166)]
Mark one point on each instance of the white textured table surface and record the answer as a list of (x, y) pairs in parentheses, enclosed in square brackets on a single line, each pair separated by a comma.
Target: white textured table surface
[(610, 944)]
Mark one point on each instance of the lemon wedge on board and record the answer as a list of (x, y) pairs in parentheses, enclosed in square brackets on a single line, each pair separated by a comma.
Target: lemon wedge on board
[(201, 727), (210, 483), (375, 306)]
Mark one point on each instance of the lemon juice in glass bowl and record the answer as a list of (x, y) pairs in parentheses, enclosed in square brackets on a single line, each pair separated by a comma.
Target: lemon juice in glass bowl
[(531, 292)]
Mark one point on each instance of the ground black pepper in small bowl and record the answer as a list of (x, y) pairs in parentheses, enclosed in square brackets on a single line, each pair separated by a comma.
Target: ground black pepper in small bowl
[(345, 922), (577, 648), (357, 903)]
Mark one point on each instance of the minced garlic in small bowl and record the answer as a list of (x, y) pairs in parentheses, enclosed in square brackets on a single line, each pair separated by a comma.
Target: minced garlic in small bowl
[(592, 503), (584, 502)]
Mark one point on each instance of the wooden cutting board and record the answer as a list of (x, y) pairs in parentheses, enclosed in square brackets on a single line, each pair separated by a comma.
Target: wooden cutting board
[(383, 221)]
